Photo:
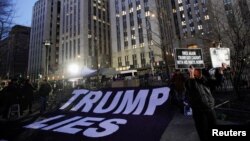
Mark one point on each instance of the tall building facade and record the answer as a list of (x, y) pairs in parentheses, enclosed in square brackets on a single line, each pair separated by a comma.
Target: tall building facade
[(85, 34), (44, 41), (3, 58), (14, 53), (191, 20), (137, 33)]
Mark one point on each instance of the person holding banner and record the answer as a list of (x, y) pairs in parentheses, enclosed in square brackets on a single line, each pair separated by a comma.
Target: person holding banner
[(198, 91)]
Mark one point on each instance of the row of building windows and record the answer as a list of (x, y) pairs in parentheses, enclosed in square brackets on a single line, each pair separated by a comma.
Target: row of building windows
[(71, 50), (132, 24), (71, 18), (134, 60), (194, 13)]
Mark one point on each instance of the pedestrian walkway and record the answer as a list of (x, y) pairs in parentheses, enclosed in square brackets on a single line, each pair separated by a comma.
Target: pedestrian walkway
[(180, 128)]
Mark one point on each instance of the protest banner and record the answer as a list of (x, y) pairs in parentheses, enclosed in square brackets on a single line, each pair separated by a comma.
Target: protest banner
[(219, 56), (107, 115), (185, 57)]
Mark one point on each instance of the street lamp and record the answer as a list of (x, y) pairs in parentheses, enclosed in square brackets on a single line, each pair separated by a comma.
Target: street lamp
[(73, 69), (47, 44)]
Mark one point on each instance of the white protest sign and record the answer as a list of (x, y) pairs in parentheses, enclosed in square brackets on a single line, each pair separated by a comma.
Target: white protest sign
[(219, 56)]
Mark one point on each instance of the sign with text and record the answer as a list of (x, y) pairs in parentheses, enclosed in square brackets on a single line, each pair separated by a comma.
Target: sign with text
[(185, 57), (107, 115), (219, 56)]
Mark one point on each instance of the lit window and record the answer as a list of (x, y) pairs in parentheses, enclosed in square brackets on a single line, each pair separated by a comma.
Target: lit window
[(138, 7), (206, 17), (199, 27), (142, 45), (174, 10), (94, 17), (131, 10), (133, 37), (123, 12), (147, 13), (181, 8), (179, 1), (183, 23)]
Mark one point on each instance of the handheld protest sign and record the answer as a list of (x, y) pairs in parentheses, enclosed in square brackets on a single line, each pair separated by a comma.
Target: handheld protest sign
[(219, 56), (185, 57)]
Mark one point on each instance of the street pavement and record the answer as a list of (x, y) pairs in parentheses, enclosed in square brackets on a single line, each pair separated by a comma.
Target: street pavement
[(180, 128)]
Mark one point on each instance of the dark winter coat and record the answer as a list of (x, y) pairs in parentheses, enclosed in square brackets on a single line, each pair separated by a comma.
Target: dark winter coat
[(45, 89), (199, 94), (28, 91), (199, 91)]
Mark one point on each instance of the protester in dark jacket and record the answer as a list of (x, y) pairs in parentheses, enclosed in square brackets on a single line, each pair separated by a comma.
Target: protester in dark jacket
[(44, 90), (11, 96), (28, 91), (198, 91), (178, 89)]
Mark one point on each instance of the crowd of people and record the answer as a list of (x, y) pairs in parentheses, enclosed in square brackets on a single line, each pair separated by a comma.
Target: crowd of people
[(21, 92)]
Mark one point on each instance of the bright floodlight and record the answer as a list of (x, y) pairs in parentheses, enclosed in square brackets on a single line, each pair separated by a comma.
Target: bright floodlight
[(73, 69)]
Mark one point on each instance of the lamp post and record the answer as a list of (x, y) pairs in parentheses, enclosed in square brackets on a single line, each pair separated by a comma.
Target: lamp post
[(47, 44)]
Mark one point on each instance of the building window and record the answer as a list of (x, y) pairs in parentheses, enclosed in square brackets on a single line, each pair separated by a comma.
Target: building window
[(123, 13), (119, 61), (66, 51), (126, 61), (74, 46), (206, 17), (134, 60), (138, 7), (181, 8), (62, 53), (200, 27), (183, 23), (174, 10), (79, 47), (70, 50), (143, 61)]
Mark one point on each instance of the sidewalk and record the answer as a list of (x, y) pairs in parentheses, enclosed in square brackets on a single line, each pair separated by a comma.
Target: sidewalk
[(180, 128)]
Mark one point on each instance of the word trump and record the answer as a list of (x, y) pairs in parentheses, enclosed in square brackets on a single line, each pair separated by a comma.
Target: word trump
[(122, 103)]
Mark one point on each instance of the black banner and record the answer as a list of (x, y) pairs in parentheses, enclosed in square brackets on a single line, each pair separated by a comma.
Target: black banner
[(106, 115), (186, 57)]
